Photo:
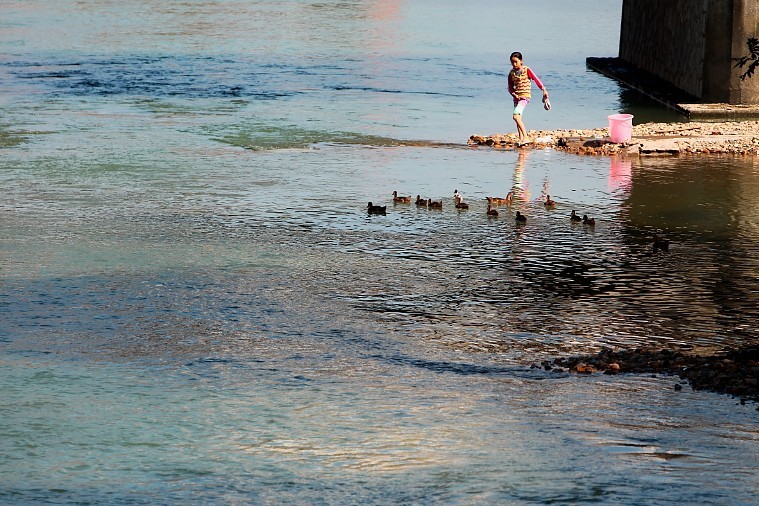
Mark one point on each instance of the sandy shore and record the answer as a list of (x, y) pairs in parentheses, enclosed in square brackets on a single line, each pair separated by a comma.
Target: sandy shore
[(737, 138)]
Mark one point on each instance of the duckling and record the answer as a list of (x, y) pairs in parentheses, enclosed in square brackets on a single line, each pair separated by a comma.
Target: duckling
[(549, 203), (372, 209), (574, 216), (661, 243), (420, 201), (435, 204), (401, 200), (491, 212), (500, 201), (588, 221), (521, 218), (460, 204)]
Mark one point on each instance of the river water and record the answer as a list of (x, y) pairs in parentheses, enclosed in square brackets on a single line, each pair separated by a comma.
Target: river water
[(195, 306)]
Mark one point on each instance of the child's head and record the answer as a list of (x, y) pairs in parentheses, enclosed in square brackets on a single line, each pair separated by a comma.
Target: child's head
[(516, 59)]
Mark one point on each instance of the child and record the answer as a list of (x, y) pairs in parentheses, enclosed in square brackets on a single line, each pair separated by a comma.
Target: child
[(519, 87)]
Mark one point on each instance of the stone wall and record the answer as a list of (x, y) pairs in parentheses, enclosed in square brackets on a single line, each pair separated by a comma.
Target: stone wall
[(692, 43)]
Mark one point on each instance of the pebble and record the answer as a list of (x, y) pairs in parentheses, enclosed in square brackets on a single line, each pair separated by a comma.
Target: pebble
[(585, 369)]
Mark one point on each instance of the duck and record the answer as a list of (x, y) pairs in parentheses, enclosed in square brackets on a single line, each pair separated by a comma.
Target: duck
[(521, 218), (549, 203), (460, 204), (491, 211), (401, 200), (661, 243), (435, 204), (499, 201), (420, 201), (588, 221), (372, 209), (457, 195), (574, 216)]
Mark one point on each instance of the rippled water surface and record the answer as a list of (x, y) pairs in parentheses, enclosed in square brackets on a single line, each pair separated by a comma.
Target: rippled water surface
[(196, 307)]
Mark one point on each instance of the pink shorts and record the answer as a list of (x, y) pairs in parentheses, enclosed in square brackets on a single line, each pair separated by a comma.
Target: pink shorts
[(519, 105)]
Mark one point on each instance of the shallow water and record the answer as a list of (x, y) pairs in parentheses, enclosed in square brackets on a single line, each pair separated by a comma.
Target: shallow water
[(195, 306)]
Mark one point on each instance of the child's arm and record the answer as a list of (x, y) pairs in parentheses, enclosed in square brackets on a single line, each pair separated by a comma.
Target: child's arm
[(538, 82)]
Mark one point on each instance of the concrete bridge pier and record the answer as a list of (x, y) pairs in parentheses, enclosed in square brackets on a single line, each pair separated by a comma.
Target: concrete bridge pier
[(691, 46), (692, 43)]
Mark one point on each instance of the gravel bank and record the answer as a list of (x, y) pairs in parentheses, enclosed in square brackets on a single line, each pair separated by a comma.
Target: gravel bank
[(739, 138)]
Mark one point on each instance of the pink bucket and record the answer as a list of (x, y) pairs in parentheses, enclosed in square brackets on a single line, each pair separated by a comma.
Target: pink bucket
[(620, 127)]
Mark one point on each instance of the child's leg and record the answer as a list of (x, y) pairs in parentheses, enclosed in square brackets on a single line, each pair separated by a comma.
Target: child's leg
[(518, 109), (520, 127)]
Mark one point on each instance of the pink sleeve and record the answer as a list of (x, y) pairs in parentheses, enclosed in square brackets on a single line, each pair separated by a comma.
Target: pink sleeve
[(532, 76)]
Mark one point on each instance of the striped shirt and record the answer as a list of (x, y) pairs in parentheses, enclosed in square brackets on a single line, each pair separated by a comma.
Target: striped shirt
[(519, 82)]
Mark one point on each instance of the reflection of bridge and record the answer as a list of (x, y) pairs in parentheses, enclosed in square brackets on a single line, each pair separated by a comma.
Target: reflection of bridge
[(692, 43)]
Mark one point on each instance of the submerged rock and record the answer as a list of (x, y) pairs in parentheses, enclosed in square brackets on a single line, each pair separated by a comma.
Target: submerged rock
[(734, 372)]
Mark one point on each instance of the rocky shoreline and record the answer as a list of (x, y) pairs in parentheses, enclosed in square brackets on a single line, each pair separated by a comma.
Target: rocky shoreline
[(734, 372), (739, 138)]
